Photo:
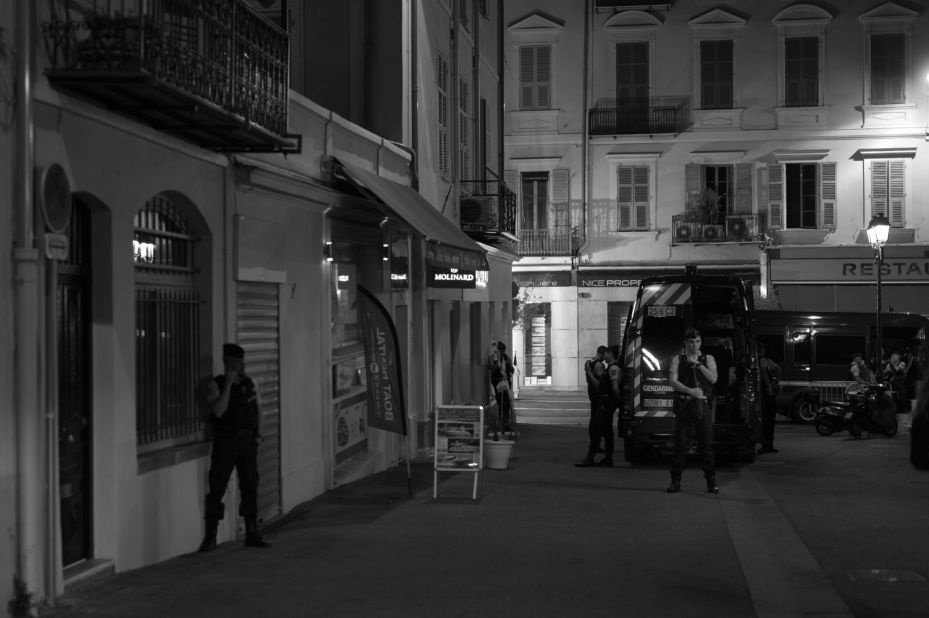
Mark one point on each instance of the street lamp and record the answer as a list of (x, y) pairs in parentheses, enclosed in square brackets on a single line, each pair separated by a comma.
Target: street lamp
[(878, 230)]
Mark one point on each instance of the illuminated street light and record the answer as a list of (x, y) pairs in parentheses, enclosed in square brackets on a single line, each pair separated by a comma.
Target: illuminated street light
[(878, 230)]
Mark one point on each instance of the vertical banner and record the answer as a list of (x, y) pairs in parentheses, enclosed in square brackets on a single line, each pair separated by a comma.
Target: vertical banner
[(386, 409)]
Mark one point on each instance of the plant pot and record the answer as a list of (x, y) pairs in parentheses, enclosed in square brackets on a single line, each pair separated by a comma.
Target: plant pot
[(497, 453)]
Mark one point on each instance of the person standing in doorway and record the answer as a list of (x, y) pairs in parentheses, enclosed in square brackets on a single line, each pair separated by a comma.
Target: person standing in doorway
[(693, 375), (235, 417), (770, 373)]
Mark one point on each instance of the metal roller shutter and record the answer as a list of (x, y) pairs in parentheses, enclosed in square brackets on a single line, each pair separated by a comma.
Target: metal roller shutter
[(258, 331)]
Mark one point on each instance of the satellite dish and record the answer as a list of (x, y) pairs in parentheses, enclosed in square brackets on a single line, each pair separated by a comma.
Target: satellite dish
[(54, 195)]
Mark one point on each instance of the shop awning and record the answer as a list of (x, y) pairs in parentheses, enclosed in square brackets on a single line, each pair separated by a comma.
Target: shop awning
[(447, 246)]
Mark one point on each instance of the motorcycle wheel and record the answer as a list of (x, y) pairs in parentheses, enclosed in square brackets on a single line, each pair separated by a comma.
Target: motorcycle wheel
[(824, 427), (854, 429), (804, 411), (891, 429)]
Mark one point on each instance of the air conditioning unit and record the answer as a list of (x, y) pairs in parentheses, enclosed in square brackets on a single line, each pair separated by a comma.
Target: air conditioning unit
[(738, 229), (479, 213), (685, 231)]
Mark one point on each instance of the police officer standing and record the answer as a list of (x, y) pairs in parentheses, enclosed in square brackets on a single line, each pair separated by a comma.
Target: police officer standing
[(235, 417), (692, 376), (606, 386)]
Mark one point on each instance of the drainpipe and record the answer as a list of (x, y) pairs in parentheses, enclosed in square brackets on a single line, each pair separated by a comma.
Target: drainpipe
[(454, 114), (414, 94), (26, 323), (501, 92), (478, 140), (585, 152)]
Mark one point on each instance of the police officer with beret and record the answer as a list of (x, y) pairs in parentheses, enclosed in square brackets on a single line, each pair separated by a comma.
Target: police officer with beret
[(235, 417)]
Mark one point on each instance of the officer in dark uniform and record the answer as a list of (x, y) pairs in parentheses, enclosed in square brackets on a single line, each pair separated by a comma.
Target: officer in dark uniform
[(233, 401), (692, 376), (601, 421)]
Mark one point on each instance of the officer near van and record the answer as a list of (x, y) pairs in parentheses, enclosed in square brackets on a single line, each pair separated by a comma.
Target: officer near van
[(606, 387), (235, 417), (770, 385), (693, 375)]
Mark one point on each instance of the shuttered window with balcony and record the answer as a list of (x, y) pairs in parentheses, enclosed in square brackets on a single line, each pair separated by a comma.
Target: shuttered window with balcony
[(535, 76), (716, 74), (800, 195)]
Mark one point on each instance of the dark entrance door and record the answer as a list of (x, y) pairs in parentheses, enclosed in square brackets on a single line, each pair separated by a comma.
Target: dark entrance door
[(74, 395)]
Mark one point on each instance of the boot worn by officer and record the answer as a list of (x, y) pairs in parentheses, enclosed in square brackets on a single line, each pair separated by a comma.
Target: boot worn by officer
[(711, 486), (675, 486), (252, 537), (209, 536)]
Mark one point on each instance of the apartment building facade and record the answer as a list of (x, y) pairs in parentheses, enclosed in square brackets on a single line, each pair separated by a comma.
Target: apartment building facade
[(757, 139), (179, 175)]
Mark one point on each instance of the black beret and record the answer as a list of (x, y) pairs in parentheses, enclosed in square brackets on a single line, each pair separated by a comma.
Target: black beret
[(233, 351)]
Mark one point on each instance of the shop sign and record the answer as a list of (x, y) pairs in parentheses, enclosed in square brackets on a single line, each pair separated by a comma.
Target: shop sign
[(551, 279), (632, 277), (911, 270), (451, 277)]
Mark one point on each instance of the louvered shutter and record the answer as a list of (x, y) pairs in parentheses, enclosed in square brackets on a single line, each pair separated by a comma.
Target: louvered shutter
[(624, 193), (526, 76), (775, 196), (464, 129), (442, 83), (763, 193), (827, 173), (561, 185), (879, 171), (640, 197), (692, 185), (743, 187), (543, 77), (897, 193)]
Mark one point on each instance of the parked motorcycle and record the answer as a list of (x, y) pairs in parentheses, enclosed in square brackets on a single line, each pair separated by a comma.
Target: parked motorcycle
[(867, 408)]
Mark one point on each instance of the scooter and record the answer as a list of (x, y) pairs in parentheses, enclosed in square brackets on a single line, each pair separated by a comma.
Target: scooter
[(867, 408)]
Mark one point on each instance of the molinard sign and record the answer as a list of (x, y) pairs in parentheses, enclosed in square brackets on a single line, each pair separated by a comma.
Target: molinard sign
[(909, 270), (451, 278)]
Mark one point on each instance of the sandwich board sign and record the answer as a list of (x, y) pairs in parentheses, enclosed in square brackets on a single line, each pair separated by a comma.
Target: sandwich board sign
[(459, 442)]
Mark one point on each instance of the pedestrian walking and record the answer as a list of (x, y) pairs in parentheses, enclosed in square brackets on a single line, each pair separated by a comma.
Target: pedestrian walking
[(235, 418), (607, 392), (501, 377), (692, 375), (770, 373)]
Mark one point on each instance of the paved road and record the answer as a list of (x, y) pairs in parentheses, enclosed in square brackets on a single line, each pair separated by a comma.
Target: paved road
[(826, 527)]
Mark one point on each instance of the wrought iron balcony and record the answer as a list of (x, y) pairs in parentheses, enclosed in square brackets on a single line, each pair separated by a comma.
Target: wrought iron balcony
[(212, 72), (693, 228), (488, 210), (645, 115), (558, 241)]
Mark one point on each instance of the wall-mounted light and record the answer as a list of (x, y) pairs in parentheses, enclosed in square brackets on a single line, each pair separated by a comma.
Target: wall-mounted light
[(385, 252), (327, 251)]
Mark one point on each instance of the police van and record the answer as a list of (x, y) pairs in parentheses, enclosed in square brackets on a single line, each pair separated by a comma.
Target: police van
[(814, 351), (721, 308)]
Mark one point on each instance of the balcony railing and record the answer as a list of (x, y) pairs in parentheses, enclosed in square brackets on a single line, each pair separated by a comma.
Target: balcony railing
[(626, 116), (213, 72), (559, 241), (692, 228), (488, 209)]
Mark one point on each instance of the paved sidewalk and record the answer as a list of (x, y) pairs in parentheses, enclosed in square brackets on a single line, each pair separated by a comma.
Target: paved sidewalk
[(543, 539)]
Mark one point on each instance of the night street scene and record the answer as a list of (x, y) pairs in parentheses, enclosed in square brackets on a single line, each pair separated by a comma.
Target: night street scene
[(364, 308)]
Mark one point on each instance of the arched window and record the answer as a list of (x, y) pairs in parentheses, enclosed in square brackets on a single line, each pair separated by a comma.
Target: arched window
[(167, 334)]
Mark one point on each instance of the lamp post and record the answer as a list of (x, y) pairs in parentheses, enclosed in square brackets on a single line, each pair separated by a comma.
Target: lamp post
[(878, 230)]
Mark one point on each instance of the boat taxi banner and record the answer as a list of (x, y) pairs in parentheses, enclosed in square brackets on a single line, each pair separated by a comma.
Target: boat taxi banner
[(847, 271), (386, 408), (452, 278)]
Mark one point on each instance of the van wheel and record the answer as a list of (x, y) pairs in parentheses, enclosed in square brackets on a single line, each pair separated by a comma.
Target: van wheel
[(804, 411)]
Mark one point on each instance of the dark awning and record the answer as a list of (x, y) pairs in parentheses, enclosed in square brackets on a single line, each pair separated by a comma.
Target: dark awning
[(447, 245)]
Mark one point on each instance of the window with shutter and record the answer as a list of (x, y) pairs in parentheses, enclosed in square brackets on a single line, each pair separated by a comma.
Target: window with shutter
[(464, 129), (443, 112), (775, 196), (692, 185), (716, 74), (801, 72), (535, 77), (888, 68), (879, 187), (897, 193), (743, 187), (827, 173), (561, 179), (632, 197)]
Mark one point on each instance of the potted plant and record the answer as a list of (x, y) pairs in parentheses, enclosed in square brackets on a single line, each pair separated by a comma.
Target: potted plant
[(711, 213)]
